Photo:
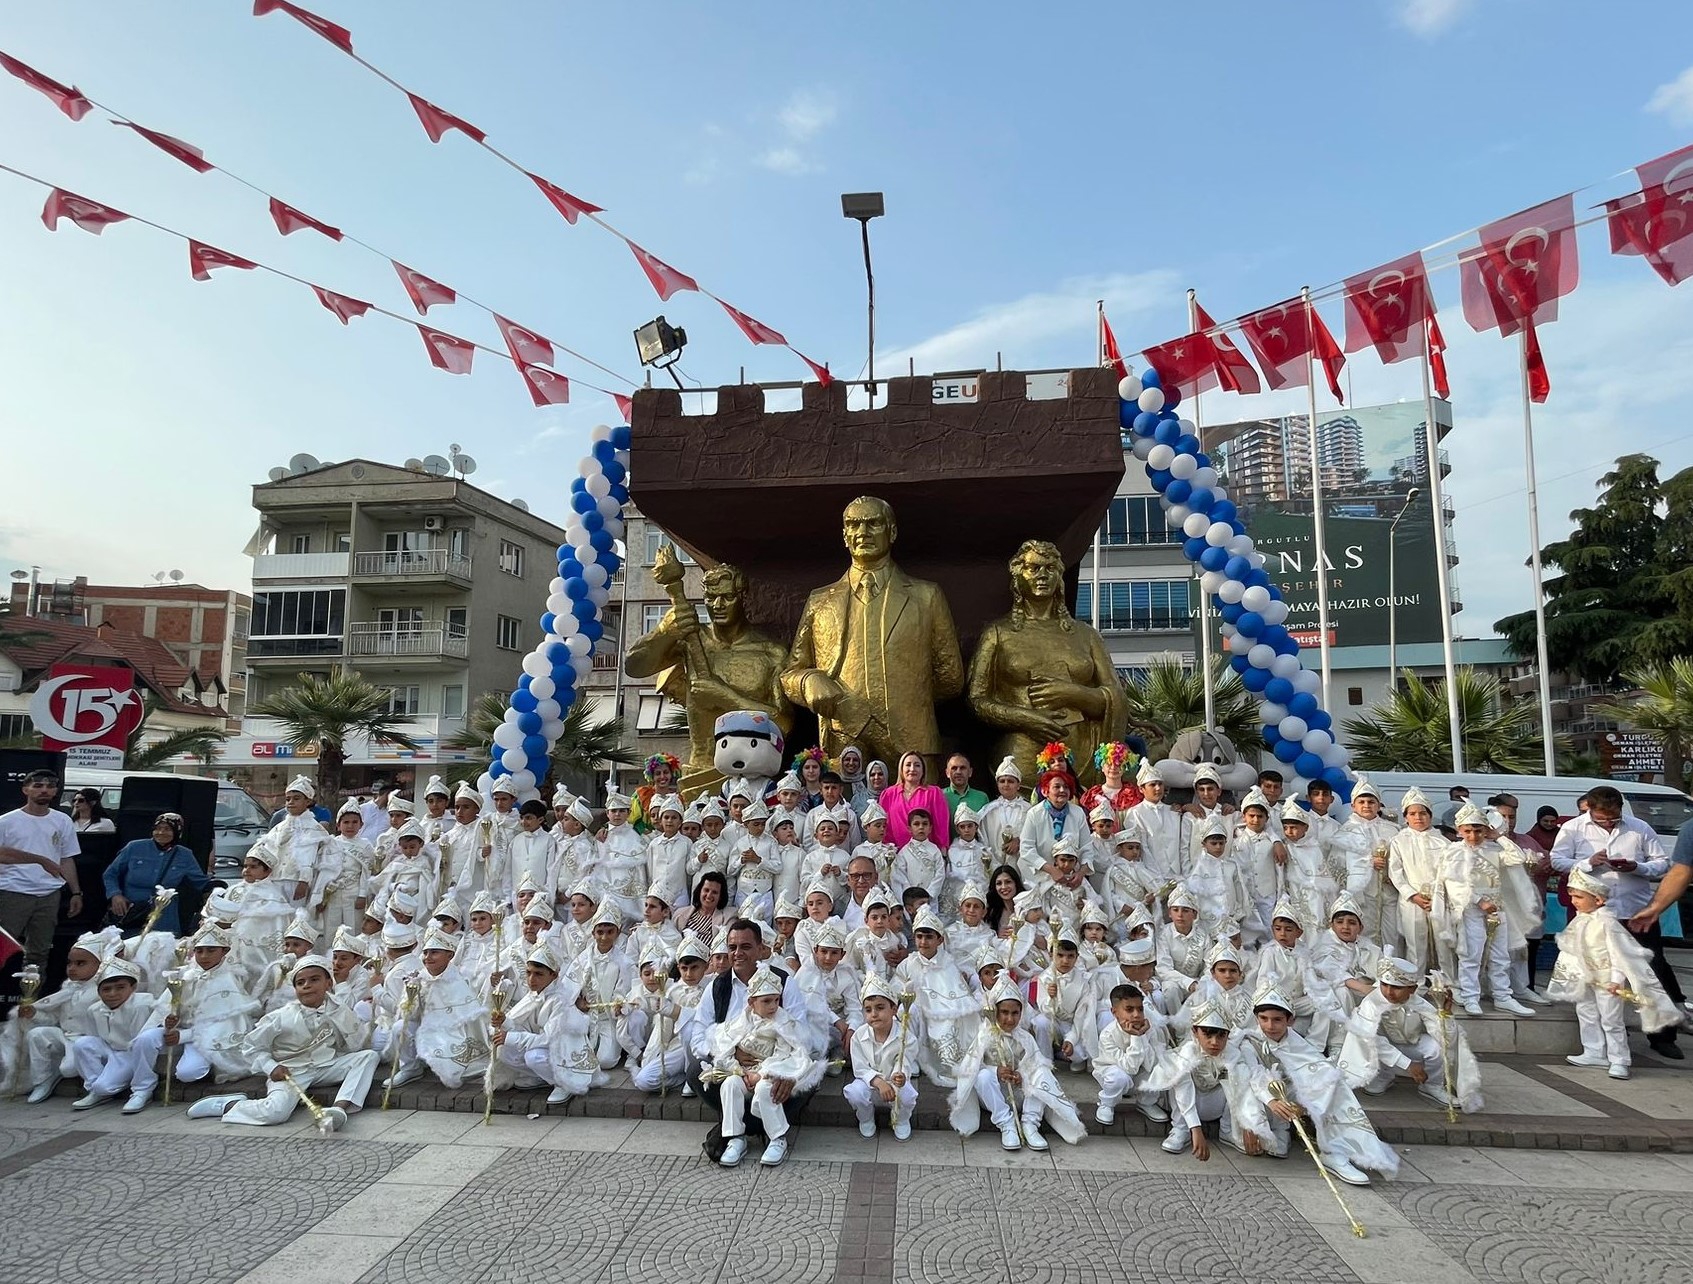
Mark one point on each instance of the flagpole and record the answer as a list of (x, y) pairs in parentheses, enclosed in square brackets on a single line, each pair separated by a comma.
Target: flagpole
[(1431, 436), (1099, 337), (1317, 530), (1548, 750), (1206, 678)]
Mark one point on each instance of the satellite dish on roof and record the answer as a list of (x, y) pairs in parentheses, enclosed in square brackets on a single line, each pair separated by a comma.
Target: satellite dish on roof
[(302, 463), (277, 474), (465, 465), (436, 466), (520, 504), (176, 577), (414, 465)]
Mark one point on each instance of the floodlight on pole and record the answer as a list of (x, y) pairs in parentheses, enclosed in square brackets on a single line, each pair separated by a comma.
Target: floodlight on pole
[(1393, 591), (659, 345), (865, 206)]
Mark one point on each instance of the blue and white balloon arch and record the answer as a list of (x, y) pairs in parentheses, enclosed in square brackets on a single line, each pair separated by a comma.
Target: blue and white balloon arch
[(1296, 728)]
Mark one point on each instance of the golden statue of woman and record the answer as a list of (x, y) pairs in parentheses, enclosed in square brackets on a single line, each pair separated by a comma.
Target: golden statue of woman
[(1040, 674)]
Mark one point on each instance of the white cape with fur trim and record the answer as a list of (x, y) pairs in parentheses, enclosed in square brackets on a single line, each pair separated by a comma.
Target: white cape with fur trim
[(994, 1047)]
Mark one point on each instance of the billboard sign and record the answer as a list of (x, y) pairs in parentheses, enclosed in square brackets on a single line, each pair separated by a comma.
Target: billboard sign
[(1374, 467), (89, 711)]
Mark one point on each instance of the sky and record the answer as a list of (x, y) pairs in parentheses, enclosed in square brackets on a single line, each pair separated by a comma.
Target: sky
[(1033, 160)]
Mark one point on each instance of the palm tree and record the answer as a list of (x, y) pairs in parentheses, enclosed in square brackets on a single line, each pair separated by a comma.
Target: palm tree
[(1172, 698), (204, 743), (330, 711), (1409, 730), (1662, 701), (583, 747)]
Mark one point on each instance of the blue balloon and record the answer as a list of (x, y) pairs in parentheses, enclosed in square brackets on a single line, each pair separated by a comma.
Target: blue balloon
[(570, 568), (576, 589), (1160, 478), (582, 502), (578, 485), (1172, 398), (1241, 665), (1319, 720), (599, 539), (1273, 634), (1237, 567), (1287, 646), (1187, 444), (1194, 548), (563, 673), (1143, 424), (621, 436), (1303, 705), (529, 723), (593, 630), (614, 473), (1212, 559), (1250, 623), (1167, 432), (1252, 679), (523, 682), (604, 452), (1201, 499), (1232, 611), (566, 553), (1178, 490), (592, 521), (1237, 527), (619, 492), (557, 653), (583, 610), (610, 560), (1286, 750), (535, 746), (1336, 778), (1202, 459), (1224, 510), (1280, 691), (1270, 731), (1149, 378), (523, 701), (1308, 765)]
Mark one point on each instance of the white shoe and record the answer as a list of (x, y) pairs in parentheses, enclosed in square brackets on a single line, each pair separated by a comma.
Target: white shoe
[(687, 1090), (1031, 1136), (866, 1127), (1582, 1059), (902, 1130), (1472, 1007), (213, 1107), (334, 1119), (558, 1097), (1618, 1070), (1534, 996), (1179, 1140), (1435, 1094), (406, 1075), (774, 1153), (1154, 1112), (93, 1099), (1105, 1114), (835, 1071), (42, 1091), (1346, 1170), (1508, 1004), (734, 1152), (137, 1101), (1009, 1139)]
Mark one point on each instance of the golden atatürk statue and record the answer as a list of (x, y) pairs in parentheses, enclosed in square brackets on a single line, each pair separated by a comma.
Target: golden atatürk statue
[(1040, 674), (876, 649)]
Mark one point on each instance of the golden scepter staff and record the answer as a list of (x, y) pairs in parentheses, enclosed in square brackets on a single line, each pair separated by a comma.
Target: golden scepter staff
[(29, 986), (1008, 1059), (397, 1032), (497, 1013), (906, 999), (1439, 985), (319, 1115), (174, 986), (162, 897), (1278, 1090), (1380, 853)]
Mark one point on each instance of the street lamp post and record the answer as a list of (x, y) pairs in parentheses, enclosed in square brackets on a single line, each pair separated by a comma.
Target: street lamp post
[(1393, 592), (865, 206)]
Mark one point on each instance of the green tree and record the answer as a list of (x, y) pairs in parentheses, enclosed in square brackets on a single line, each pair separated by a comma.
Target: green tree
[(1622, 592), (583, 748), (1172, 699), (330, 711), (204, 743), (1661, 701), (1409, 730)]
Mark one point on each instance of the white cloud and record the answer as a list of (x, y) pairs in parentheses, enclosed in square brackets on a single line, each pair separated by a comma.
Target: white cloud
[(799, 121), (786, 160), (1674, 100), (1430, 18)]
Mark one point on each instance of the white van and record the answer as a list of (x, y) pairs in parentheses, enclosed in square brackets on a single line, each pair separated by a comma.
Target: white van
[(1661, 807), (237, 824)]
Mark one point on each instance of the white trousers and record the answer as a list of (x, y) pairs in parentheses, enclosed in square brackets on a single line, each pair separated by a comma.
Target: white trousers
[(528, 1066), (104, 1070), (990, 1092), (1427, 1050), (670, 1070), (734, 1104), (1475, 952), (1603, 1032), (864, 1099), (1115, 1084), (353, 1071), (49, 1054), (190, 1067)]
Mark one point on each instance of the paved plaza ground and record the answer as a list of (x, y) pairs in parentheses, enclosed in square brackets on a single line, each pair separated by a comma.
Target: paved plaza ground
[(426, 1197)]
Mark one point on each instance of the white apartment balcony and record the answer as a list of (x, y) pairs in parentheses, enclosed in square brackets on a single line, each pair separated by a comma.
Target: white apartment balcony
[(424, 642), (411, 567), (300, 566)]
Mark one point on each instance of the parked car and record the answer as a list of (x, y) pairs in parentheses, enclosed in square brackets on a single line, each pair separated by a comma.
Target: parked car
[(237, 824)]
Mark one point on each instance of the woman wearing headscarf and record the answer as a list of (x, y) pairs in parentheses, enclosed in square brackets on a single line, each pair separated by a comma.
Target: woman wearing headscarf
[(149, 863), (851, 772)]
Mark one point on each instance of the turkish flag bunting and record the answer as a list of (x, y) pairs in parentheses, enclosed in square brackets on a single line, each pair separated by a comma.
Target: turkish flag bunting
[(67, 98), (10, 948), (625, 407), (89, 215), (822, 372), (1657, 221), (1389, 307), (343, 306), (753, 328), (202, 258), (1524, 265), (187, 153), (1188, 363), (572, 207), (1437, 357), (288, 219), (1285, 336), (446, 352), (338, 36), (1539, 383), (424, 293), (437, 122), (546, 387), (665, 279), (1112, 354), (1234, 371), (526, 347)]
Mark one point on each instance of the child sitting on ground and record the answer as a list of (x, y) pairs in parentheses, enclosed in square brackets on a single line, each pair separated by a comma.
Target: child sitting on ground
[(1006, 1071)]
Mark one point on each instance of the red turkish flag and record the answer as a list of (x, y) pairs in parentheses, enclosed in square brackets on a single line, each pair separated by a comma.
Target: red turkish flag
[(572, 207), (1285, 336), (1108, 347), (338, 36), (625, 406), (1188, 363), (1437, 357), (202, 258), (526, 347), (665, 279), (10, 948), (67, 98), (437, 122), (1539, 382), (89, 215), (1389, 307), (187, 153), (1234, 371), (288, 219), (1524, 265), (1657, 221), (447, 352), (423, 292), (822, 372), (546, 387), (753, 328), (343, 306)]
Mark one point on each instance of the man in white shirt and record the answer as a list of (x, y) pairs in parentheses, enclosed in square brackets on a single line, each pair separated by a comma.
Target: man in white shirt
[(38, 847), (374, 812)]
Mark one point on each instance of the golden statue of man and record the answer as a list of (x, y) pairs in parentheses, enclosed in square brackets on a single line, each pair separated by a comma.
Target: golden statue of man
[(713, 669), (1040, 674), (876, 649)]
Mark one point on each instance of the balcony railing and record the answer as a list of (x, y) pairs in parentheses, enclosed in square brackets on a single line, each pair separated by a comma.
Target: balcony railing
[(424, 641), (300, 566), (292, 648), (438, 561)]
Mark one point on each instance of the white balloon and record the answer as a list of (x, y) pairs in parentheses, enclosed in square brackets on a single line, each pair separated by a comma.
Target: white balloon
[(1256, 598), (1285, 666), (1292, 727), (587, 555), (1161, 456), (523, 780), (1271, 712), (1230, 591), (1307, 680), (1260, 656), (553, 730), (1206, 477), (1211, 581), (598, 485), (507, 735), (1240, 644), (1128, 388), (1275, 612), (511, 715), (1257, 559), (528, 795), (484, 782), (1227, 630), (1196, 525), (579, 645), (547, 709), (577, 535), (1176, 514), (599, 596), (567, 626), (614, 527), (608, 506), (583, 665), (589, 466), (1239, 545), (1184, 466), (1218, 534), (555, 585), (1151, 400), (601, 432), (1188, 427), (1335, 755), (542, 688), (535, 665), (557, 603), (1316, 740), (1143, 447), (596, 575), (513, 759)]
